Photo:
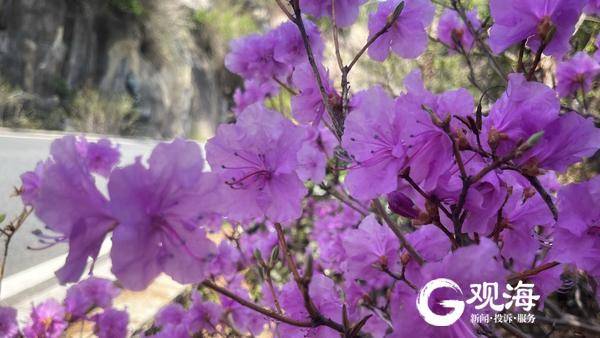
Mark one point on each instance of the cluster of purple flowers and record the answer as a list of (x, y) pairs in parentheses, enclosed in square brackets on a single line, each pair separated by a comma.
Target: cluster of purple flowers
[(50, 318), (476, 192)]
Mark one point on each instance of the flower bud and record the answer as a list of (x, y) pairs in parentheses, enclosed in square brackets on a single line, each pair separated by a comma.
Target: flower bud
[(400, 204)]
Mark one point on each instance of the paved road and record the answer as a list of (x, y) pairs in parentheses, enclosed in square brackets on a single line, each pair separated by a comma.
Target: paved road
[(19, 152)]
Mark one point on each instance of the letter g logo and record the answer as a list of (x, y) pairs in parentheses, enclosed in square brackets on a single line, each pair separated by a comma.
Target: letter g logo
[(457, 306)]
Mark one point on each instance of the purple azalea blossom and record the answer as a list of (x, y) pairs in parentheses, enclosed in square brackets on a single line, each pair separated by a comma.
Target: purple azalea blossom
[(254, 91), (326, 300), (576, 74), (593, 7), (534, 21), (111, 323), (89, 293), (451, 29), (9, 327), (346, 11), (226, 261), (159, 209), (465, 266), (289, 47), (202, 314), (371, 248), (566, 141), (101, 156), (312, 157), (31, 181), (329, 230), (373, 138), (172, 314), (576, 240), (69, 203), (519, 219), (46, 320), (407, 37), (523, 110), (429, 149), (307, 106), (256, 158), (252, 58)]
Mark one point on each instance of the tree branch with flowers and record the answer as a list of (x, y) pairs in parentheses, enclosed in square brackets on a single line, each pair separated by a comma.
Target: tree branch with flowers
[(360, 197)]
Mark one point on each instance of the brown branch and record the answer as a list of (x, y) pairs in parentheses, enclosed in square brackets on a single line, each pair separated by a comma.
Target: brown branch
[(338, 124), (9, 231), (379, 209), (458, 7), (347, 201), (303, 285), (570, 321), (285, 86), (536, 61), (531, 272), (336, 41), (272, 314), (390, 22)]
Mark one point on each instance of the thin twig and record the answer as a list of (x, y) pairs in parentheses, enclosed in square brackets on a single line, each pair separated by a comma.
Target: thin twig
[(390, 22), (285, 86), (269, 313), (531, 272), (336, 40), (379, 209), (303, 285), (9, 231)]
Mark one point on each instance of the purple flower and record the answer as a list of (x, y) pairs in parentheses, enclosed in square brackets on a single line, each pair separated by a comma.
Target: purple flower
[(256, 158), (592, 8), (534, 21), (159, 210), (429, 149), (370, 248), (101, 156), (576, 240), (465, 266), (373, 139), (566, 141), (289, 47), (226, 261), (328, 232), (31, 181), (111, 323), (46, 320), (307, 106), (172, 314), (523, 110), (312, 157), (576, 74), (9, 327), (520, 216), (451, 29), (346, 11), (202, 315), (326, 300), (89, 293), (407, 36), (69, 204), (254, 91), (402, 205), (252, 58)]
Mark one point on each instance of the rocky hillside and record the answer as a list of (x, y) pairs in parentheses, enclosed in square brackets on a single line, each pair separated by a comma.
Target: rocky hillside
[(111, 66)]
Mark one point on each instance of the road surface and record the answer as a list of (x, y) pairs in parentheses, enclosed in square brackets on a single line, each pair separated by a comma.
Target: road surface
[(19, 152)]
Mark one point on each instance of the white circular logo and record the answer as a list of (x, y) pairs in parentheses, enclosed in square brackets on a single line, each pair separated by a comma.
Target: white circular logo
[(457, 306)]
